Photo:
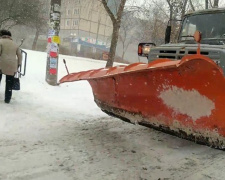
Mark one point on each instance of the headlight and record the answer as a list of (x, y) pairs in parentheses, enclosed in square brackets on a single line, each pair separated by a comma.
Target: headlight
[(146, 49)]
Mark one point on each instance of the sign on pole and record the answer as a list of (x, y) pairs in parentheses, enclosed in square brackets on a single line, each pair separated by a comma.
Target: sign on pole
[(53, 43)]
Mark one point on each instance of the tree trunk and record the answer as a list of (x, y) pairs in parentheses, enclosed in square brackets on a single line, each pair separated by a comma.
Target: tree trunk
[(206, 4), (216, 4), (116, 26), (123, 46), (125, 49), (171, 13), (34, 45), (123, 54), (112, 52), (153, 35)]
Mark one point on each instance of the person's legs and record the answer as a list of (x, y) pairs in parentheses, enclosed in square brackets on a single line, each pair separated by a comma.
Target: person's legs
[(8, 88)]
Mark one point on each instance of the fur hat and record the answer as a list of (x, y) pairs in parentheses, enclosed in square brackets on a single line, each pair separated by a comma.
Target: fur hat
[(5, 33)]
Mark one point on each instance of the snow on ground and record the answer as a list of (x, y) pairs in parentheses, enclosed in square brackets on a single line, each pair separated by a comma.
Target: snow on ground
[(58, 133)]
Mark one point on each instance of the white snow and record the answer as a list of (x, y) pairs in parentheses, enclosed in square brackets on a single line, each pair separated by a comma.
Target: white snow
[(58, 133), (37, 98), (190, 102)]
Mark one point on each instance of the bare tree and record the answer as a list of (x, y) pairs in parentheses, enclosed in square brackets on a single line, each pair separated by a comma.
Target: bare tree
[(177, 9), (40, 20), (206, 4), (216, 3), (116, 21), (152, 24), (212, 4), (192, 6), (184, 7), (126, 32), (20, 12), (16, 12)]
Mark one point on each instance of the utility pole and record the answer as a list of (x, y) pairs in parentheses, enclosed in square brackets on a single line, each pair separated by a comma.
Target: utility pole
[(53, 43)]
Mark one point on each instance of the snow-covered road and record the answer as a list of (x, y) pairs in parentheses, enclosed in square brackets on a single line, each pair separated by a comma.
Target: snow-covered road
[(58, 133)]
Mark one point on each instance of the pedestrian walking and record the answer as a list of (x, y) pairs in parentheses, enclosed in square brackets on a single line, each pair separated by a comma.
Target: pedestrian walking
[(10, 61)]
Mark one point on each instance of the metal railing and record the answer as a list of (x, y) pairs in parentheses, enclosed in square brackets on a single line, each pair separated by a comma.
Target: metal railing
[(22, 69)]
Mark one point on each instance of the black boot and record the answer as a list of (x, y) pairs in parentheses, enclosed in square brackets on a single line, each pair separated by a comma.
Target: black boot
[(7, 101), (8, 88)]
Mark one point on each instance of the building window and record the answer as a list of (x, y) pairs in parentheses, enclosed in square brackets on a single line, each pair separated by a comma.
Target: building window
[(67, 22), (76, 11), (75, 22), (68, 12)]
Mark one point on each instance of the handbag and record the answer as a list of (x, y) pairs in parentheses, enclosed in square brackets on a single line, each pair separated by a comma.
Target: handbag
[(16, 83)]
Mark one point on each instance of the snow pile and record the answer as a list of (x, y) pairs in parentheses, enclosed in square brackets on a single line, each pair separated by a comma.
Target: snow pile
[(39, 101)]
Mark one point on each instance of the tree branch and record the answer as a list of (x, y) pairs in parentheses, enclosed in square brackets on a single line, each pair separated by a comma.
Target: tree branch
[(168, 1), (111, 15), (163, 10), (192, 7), (210, 2), (120, 10), (216, 3), (184, 8)]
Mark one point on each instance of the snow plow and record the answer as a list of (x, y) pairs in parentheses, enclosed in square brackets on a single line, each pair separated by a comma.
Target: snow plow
[(184, 97), (180, 96)]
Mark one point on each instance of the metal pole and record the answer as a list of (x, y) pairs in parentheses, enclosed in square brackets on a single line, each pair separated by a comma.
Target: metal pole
[(53, 43)]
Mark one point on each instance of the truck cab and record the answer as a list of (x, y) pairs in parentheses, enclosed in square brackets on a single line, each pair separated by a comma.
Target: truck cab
[(211, 25)]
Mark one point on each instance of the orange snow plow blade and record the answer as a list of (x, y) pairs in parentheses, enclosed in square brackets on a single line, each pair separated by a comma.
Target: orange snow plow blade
[(185, 98)]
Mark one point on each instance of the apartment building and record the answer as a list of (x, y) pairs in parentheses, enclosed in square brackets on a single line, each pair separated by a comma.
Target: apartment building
[(86, 23)]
